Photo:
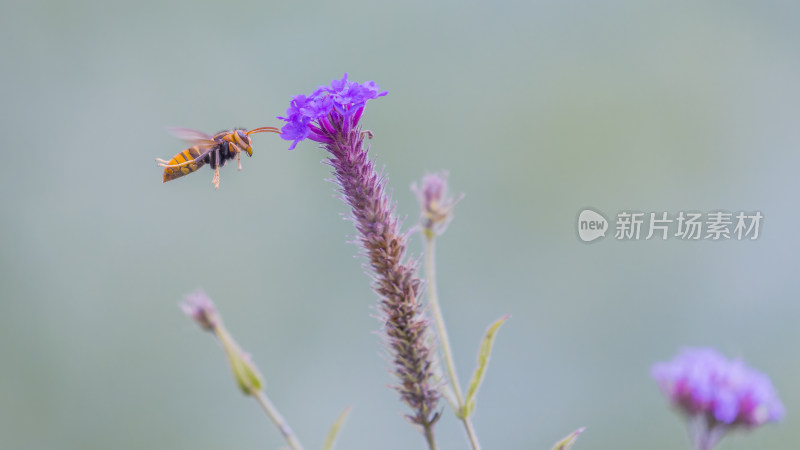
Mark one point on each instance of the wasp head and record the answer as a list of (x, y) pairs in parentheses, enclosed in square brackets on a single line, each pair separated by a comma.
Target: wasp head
[(243, 140)]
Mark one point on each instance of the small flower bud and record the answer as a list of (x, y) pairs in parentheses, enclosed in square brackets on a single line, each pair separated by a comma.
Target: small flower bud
[(434, 202), (201, 309)]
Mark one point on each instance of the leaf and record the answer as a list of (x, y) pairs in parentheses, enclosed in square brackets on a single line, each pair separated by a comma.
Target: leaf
[(330, 439), (566, 443), (484, 352)]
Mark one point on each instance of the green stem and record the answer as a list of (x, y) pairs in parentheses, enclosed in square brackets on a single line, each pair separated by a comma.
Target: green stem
[(438, 318), (429, 437), (278, 420)]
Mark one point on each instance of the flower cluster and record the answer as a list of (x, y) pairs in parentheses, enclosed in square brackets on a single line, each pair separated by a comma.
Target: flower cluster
[(307, 116), (702, 382), (716, 394)]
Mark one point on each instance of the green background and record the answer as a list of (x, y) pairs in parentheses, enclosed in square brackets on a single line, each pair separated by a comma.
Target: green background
[(537, 109)]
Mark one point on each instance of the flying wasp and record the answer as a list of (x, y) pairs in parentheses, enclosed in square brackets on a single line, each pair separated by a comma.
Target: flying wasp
[(214, 150)]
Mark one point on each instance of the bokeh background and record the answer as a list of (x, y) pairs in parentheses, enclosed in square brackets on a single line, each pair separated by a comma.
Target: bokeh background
[(537, 109)]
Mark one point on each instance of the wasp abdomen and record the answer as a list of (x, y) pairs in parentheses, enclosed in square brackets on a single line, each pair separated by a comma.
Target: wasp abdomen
[(186, 161)]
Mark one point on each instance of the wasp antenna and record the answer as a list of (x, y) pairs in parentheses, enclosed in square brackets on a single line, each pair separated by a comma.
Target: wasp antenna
[(263, 130)]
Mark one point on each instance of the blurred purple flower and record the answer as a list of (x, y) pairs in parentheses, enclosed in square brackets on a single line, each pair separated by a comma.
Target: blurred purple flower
[(717, 394), (201, 309), (330, 115)]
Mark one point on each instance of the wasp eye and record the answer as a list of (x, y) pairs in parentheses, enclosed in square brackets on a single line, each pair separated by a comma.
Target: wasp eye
[(242, 135)]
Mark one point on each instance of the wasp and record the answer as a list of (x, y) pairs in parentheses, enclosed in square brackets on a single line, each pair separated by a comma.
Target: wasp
[(213, 150)]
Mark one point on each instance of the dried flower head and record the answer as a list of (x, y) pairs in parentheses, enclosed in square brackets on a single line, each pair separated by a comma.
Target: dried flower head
[(435, 202), (330, 115), (201, 309), (717, 394)]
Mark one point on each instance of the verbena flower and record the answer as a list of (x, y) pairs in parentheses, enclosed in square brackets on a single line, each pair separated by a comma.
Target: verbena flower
[(435, 202), (308, 116), (331, 115), (717, 394)]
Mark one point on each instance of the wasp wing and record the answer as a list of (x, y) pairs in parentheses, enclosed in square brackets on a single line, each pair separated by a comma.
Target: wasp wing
[(198, 138)]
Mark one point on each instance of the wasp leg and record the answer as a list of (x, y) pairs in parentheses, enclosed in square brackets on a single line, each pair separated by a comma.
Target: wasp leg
[(167, 165), (198, 161), (172, 166), (215, 180), (234, 148)]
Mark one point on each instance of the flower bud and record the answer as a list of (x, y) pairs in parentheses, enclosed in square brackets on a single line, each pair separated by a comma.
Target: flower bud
[(201, 309), (435, 203)]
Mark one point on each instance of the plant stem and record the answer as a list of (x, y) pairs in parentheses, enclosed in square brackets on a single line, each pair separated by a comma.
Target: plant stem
[(438, 319), (278, 420), (429, 436)]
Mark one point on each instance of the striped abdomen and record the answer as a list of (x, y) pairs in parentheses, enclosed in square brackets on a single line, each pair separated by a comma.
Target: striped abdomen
[(187, 163)]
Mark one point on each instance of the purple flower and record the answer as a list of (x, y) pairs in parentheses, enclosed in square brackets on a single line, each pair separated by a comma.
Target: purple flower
[(312, 116), (330, 116), (201, 309), (716, 393)]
